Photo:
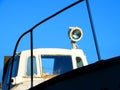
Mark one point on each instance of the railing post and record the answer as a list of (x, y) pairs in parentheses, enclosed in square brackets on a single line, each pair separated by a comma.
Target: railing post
[(93, 29), (31, 46)]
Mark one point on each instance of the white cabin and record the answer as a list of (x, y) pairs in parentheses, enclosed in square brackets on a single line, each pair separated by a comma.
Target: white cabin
[(47, 63)]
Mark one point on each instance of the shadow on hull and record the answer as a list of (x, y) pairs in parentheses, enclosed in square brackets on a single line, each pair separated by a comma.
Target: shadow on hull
[(102, 75)]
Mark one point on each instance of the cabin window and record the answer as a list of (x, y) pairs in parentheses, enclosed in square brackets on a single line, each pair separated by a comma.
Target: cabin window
[(79, 62), (56, 64), (28, 73)]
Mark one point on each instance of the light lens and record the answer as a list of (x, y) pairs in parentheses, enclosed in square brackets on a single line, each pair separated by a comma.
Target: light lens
[(76, 34)]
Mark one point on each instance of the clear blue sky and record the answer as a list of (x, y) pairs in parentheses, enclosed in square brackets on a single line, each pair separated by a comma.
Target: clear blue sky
[(17, 16)]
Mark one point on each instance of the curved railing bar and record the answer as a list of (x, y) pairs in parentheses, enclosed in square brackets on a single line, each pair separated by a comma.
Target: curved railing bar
[(30, 30)]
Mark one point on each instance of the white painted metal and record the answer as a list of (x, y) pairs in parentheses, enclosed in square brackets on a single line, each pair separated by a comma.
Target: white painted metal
[(22, 81)]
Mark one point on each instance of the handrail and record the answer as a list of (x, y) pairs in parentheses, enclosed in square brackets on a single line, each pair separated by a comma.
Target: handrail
[(31, 40)]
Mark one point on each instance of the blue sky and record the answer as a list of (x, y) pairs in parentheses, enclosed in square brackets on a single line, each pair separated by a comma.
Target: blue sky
[(17, 16)]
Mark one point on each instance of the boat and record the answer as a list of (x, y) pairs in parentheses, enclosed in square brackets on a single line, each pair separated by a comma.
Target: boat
[(59, 68)]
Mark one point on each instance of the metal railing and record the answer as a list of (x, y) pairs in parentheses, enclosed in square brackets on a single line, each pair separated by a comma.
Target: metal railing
[(31, 40), (30, 31)]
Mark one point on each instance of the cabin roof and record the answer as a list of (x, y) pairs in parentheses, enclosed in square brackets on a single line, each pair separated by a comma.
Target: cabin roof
[(54, 51)]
